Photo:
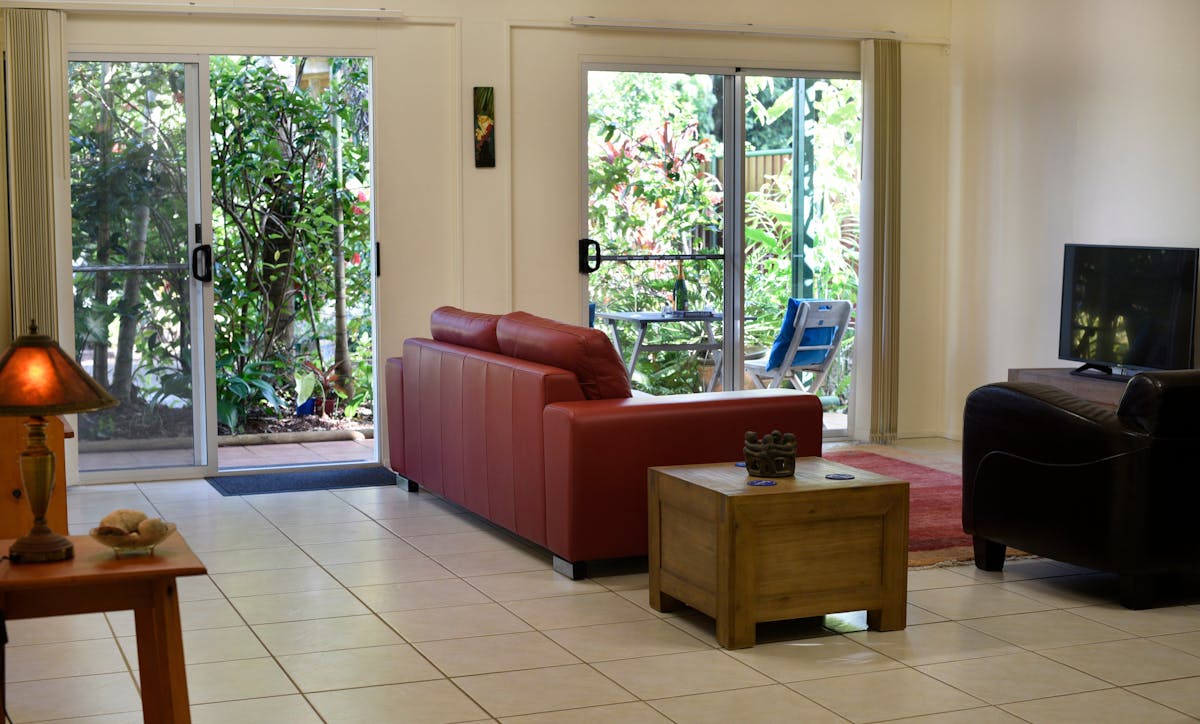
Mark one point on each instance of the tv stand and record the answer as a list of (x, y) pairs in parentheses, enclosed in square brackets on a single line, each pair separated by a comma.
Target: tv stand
[(1104, 372), (1093, 370), (1101, 389)]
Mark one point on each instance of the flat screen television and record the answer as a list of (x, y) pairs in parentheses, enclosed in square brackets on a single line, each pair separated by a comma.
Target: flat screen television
[(1128, 308)]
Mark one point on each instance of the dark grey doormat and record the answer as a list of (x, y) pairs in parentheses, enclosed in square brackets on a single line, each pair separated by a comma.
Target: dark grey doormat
[(293, 480)]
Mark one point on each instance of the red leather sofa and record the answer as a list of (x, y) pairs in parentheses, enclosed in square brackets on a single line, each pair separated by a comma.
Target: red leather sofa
[(530, 423)]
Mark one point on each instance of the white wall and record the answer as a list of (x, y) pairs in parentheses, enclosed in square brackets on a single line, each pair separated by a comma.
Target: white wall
[(504, 238), (923, 184), (1047, 121), (1070, 121)]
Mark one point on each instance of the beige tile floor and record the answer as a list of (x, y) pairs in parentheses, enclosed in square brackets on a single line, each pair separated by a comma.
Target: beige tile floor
[(376, 605)]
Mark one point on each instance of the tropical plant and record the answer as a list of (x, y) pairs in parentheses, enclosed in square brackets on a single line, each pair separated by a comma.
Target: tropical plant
[(320, 385), (290, 172), (249, 391)]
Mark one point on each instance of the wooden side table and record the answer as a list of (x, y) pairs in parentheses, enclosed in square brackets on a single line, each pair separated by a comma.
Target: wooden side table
[(806, 546), (95, 580)]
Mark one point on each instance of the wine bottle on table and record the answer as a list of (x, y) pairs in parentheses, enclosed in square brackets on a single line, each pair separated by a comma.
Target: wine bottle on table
[(680, 292)]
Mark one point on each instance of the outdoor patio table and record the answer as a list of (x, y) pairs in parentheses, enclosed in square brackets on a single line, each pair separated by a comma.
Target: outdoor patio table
[(643, 320)]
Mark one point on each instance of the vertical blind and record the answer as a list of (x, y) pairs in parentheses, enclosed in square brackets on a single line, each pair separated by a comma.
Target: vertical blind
[(881, 211), (35, 93)]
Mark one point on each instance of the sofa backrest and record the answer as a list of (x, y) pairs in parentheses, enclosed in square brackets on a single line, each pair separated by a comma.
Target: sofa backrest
[(476, 330), (587, 352)]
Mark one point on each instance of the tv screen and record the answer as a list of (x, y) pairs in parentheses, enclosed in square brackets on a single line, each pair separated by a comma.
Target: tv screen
[(1128, 307)]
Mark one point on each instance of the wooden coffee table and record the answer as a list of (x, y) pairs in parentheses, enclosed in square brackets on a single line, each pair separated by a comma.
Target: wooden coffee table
[(806, 546)]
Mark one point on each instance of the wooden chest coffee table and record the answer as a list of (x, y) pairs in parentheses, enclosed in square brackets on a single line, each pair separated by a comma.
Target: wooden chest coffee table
[(806, 546)]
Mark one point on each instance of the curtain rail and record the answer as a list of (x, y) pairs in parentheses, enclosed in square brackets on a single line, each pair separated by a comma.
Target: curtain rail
[(592, 21), (779, 31), (211, 10)]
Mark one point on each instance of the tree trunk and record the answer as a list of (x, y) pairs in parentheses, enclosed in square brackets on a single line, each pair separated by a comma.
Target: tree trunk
[(103, 236), (130, 304), (341, 335), (100, 299), (278, 261), (122, 384)]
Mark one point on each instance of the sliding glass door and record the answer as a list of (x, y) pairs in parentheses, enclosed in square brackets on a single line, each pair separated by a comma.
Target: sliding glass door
[(801, 162), (137, 226), (294, 279), (223, 262), (712, 200)]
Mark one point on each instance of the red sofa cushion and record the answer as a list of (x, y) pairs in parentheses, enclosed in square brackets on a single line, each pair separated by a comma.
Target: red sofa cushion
[(585, 351), (476, 330)]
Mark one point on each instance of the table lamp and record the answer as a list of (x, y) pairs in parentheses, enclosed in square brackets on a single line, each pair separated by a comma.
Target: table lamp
[(37, 378)]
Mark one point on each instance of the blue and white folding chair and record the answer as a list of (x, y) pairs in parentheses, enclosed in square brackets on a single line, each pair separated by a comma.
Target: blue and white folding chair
[(808, 340)]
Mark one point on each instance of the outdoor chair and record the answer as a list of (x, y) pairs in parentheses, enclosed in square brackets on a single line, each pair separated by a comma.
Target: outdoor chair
[(808, 340)]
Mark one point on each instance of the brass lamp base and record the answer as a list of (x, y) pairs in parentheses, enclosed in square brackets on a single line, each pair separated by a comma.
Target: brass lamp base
[(41, 547)]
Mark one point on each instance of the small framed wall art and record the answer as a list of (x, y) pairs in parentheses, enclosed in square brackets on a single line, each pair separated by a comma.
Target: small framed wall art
[(485, 127)]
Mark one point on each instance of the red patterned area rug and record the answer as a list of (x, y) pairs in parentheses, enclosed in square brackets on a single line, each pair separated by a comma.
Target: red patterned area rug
[(935, 533)]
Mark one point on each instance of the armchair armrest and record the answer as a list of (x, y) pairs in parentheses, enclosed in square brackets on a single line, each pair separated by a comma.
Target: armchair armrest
[(597, 453), (1039, 423), (1088, 513)]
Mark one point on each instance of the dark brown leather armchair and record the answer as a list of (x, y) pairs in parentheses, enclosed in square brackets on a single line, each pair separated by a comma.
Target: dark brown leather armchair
[(1051, 474)]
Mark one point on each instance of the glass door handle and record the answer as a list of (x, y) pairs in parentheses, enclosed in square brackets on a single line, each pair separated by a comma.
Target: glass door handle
[(589, 256), (202, 263)]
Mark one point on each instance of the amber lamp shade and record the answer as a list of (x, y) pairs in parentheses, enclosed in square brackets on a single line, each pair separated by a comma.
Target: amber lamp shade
[(37, 378)]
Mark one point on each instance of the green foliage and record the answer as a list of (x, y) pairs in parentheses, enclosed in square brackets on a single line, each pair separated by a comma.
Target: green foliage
[(243, 394), (769, 112), (362, 363), (648, 176), (290, 172), (653, 190)]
